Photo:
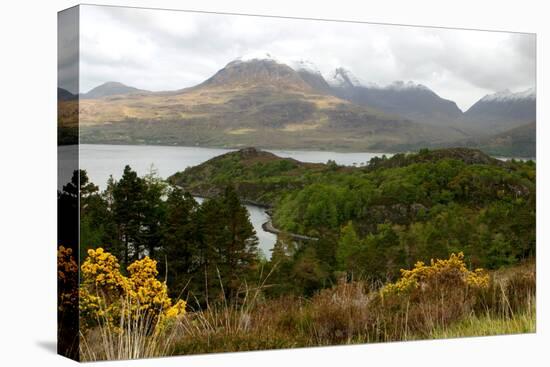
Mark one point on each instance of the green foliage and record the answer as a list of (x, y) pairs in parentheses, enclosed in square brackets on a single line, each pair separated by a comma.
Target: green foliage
[(205, 251), (179, 232), (228, 245), (369, 222), (349, 246)]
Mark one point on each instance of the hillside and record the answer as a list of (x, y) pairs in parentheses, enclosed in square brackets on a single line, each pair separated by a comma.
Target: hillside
[(462, 223), (501, 111), (420, 191), (65, 95), (110, 89), (516, 142), (270, 104), (410, 100), (252, 103), (243, 168)]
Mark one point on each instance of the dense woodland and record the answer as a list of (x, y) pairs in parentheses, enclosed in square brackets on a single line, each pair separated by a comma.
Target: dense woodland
[(370, 221)]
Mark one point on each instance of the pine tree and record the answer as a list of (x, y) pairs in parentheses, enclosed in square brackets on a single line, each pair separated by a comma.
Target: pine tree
[(349, 247), (228, 245), (128, 207), (241, 247), (179, 242), (154, 211)]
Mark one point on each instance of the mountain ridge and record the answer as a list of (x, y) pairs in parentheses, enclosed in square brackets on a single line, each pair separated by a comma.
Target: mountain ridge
[(109, 89), (272, 104)]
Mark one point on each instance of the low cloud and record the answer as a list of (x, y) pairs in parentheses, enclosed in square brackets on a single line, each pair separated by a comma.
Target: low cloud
[(168, 50)]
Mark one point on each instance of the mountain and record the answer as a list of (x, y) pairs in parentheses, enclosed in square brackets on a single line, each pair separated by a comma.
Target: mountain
[(311, 75), (266, 72), (343, 78), (65, 95), (516, 142), (253, 101), (501, 111), (110, 89), (410, 100)]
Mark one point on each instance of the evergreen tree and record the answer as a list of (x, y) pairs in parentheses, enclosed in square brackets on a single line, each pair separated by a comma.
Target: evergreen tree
[(179, 242), (240, 247), (349, 247), (154, 211), (228, 245), (128, 208)]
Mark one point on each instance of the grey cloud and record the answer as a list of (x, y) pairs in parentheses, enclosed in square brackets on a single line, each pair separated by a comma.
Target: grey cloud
[(67, 50), (167, 50)]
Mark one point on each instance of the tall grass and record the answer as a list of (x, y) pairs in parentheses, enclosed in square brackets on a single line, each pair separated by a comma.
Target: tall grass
[(136, 334), (355, 313), (347, 313)]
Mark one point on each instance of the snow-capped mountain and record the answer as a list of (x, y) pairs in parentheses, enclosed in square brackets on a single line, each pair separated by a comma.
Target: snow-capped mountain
[(295, 64), (507, 95), (408, 99), (405, 99), (343, 78), (502, 110), (259, 55), (261, 70), (401, 85), (304, 65)]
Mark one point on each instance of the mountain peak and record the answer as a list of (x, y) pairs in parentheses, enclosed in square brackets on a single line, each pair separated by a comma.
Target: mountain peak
[(259, 55), (295, 64), (258, 69), (401, 85), (112, 84), (110, 89), (304, 65), (342, 77), (508, 95)]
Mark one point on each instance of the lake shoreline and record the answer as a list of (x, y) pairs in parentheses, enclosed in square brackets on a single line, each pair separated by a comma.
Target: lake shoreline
[(267, 226), (388, 152), (239, 147)]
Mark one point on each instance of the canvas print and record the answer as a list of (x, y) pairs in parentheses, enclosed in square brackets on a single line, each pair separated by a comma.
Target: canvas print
[(234, 183)]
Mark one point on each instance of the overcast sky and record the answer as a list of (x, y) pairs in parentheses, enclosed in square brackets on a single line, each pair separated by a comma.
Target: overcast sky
[(167, 50)]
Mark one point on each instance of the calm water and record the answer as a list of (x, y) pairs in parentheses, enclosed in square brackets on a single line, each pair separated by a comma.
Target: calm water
[(101, 161)]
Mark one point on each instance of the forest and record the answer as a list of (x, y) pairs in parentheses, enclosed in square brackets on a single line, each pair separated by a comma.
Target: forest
[(461, 221)]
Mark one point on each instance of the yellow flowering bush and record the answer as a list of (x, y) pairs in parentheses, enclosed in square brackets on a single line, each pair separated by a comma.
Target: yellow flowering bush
[(440, 273), (143, 286), (67, 279), (106, 295), (432, 295)]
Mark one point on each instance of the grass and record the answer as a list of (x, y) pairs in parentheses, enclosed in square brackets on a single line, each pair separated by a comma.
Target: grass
[(136, 335), (348, 313), (488, 324)]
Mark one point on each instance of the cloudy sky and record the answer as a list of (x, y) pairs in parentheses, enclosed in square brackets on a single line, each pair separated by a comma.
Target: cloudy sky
[(167, 50)]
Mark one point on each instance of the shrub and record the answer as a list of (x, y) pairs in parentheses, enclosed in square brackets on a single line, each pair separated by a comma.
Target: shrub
[(107, 296), (430, 296), (341, 314), (510, 291), (67, 279)]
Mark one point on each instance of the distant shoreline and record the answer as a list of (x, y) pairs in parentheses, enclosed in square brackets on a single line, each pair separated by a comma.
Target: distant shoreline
[(339, 151), (234, 148)]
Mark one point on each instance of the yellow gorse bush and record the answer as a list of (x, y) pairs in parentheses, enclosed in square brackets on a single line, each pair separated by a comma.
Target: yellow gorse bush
[(433, 295), (106, 295), (67, 278), (452, 271)]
